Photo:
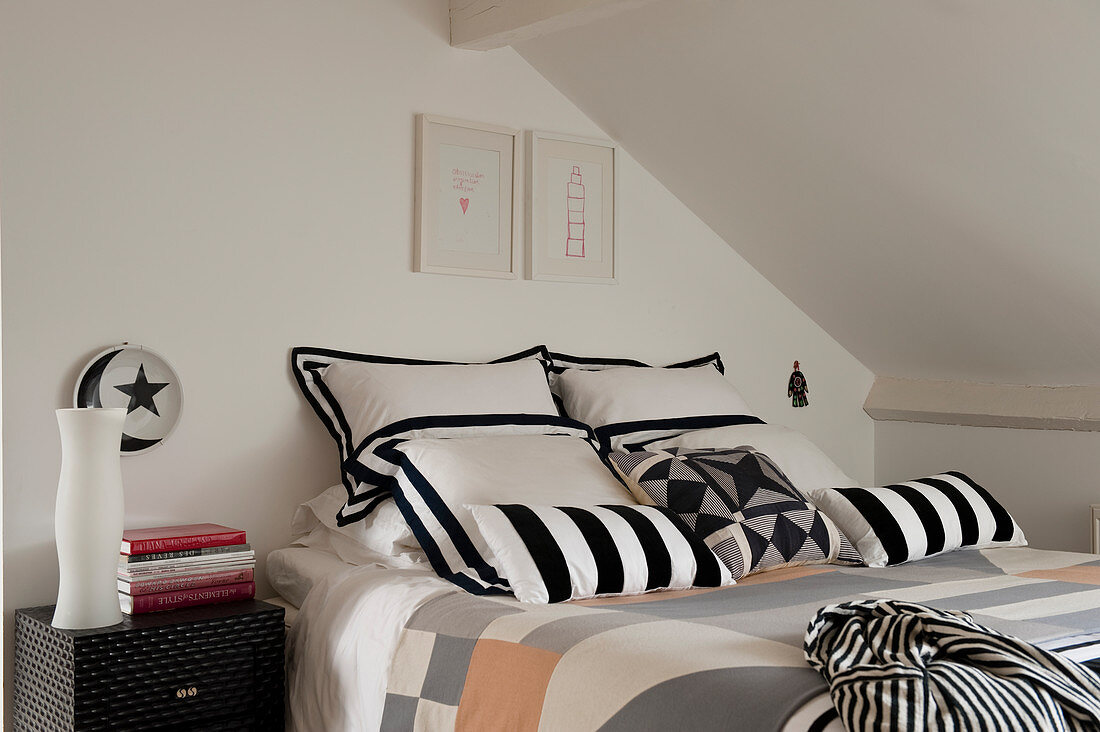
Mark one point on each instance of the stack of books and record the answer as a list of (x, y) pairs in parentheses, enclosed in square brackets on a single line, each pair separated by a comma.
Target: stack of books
[(169, 567)]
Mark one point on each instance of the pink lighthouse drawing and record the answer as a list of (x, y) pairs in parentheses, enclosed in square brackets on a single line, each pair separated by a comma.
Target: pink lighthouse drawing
[(574, 191)]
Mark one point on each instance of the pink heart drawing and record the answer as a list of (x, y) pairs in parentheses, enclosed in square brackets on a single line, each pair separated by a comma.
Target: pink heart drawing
[(465, 203)]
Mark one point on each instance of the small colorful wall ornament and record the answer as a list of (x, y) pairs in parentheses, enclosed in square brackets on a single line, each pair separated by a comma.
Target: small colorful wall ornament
[(797, 389)]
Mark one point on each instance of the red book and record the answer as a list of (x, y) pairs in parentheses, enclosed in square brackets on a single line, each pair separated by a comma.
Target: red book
[(178, 538), (135, 604), (155, 584)]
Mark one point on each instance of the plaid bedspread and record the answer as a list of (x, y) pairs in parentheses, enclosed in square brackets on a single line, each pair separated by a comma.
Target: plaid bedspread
[(727, 658)]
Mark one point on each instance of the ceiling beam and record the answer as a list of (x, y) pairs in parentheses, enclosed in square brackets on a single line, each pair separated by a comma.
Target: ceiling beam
[(482, 25), (985, 405)]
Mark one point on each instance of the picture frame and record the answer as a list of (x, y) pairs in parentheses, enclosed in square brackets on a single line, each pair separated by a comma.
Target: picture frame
[(571, 208), (467, 198)]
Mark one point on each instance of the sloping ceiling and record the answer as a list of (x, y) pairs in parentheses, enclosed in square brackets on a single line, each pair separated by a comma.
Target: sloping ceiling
[(922, 178)]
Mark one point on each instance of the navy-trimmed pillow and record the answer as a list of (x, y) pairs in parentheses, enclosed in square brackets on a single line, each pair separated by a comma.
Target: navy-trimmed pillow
[(638, 435), (437, 479), (309, 365), (630, 406), (377, 460), (740, 504), (561, 362)]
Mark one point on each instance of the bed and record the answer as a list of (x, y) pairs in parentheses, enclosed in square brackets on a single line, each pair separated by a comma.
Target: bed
[(385, 648), (425, 602)]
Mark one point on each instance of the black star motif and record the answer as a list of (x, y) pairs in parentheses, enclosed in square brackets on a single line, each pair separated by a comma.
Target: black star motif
[(747, 475), (141, 392)]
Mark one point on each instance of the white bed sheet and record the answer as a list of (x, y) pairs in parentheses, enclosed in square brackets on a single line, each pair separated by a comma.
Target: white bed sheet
[(294, 571), (339, 650)]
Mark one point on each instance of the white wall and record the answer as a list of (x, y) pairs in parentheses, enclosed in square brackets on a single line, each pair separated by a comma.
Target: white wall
[(1045, 478), (222, 181), (920, 177)]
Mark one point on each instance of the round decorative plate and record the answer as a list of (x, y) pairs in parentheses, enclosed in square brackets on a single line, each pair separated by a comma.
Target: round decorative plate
[(142, 381)]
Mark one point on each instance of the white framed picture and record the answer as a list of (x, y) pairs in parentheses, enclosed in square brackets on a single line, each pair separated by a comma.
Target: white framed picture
[(570, 208), (467, 198)]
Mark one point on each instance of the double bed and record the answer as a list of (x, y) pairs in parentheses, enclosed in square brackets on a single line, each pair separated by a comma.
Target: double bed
[(379, 647), (403, 585)]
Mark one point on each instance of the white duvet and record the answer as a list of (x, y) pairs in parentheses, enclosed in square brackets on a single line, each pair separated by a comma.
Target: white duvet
[(340, 647)]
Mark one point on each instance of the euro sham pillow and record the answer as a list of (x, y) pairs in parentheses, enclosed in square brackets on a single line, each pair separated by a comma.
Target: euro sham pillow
[(627, 405), (353, 396), (803, 462), (559, 553), (921, 518), (560, 362), (438, 478), (740, 504)]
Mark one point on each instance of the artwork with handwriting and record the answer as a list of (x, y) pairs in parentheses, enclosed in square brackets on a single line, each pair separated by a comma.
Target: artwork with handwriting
[(469, 199)]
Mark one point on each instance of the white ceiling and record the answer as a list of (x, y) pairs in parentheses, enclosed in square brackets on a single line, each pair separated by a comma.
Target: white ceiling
[(922, 178)]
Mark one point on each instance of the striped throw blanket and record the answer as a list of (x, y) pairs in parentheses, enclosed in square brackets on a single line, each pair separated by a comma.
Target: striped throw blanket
[(894, 665)]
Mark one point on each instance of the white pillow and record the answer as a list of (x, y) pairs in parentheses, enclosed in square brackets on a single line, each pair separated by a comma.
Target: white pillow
[(803, 462), (375, 463), (605, 397), (619, 403), (374, 395), (294, 571), (343, 549), (383, 532), (561, 362), (439, 477)]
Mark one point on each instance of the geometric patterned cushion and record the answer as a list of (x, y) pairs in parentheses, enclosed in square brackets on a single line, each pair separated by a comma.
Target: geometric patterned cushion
[(741, 505)]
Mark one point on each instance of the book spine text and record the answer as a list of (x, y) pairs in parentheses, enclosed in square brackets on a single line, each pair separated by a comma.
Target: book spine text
[(188, 598), (209, 551), (173, 584), (180, 543)]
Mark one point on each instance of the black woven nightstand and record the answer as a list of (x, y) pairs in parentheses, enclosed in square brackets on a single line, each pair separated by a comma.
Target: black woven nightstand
[(214, 667)]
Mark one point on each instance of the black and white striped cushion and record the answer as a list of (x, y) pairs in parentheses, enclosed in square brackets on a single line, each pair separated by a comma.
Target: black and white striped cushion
[(553, 554), (920, 518)]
